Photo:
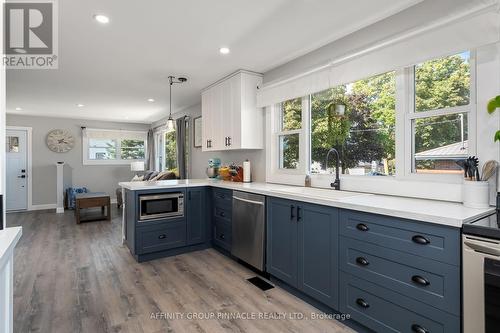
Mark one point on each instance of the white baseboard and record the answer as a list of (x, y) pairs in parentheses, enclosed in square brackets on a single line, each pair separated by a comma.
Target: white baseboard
[(42, 207)]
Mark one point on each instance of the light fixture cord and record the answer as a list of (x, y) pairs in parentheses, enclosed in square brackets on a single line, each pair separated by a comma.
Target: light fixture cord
[(170, 115)]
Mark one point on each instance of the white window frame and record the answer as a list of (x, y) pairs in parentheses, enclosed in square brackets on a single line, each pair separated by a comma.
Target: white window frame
[(274, 172), (119, 137), (406, 113), (404, 139)]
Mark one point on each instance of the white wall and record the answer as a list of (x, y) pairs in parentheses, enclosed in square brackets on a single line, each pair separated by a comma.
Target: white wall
[(98, 178), (199, 159)]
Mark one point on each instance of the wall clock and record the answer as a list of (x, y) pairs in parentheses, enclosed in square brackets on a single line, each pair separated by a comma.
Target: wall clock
[(60, 140)]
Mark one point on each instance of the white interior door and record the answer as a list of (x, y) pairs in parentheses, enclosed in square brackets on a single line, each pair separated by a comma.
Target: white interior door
[(16, 196)]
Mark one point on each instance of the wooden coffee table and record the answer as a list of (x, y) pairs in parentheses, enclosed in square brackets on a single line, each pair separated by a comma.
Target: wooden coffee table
[(91, 200)]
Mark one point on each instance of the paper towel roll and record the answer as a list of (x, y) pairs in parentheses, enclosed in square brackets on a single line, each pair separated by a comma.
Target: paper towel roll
[(247, 173)]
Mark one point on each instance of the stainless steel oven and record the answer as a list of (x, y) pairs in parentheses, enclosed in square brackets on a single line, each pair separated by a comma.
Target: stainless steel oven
[(481, 276), (163, 205)]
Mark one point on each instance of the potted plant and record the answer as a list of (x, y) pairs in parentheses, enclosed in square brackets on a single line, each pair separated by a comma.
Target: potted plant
[(493, 104)]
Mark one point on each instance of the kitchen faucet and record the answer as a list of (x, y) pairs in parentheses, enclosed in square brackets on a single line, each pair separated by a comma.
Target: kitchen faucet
[(336, 183)]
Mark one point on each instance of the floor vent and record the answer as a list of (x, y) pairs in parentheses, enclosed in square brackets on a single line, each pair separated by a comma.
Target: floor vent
[(260, 283)]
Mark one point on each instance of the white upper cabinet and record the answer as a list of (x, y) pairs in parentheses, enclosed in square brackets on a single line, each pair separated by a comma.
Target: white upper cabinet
[(231, 120)]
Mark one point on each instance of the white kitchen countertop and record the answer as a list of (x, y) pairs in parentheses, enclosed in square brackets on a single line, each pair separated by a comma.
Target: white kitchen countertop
[(432, 211), (8, 240)]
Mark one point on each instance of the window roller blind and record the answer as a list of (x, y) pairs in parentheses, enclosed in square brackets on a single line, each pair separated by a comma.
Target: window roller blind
[(460, 35), (114, 134)]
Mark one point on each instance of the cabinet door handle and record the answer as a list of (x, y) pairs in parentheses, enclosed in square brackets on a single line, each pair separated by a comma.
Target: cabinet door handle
[(299, 215), (418, 329), (222, 236), (222, 214), (162, 236), (225, 141), (362, 227), (420, 280), (419, 239), (362, 261), (229, 141), (292, 216), (362, 303)]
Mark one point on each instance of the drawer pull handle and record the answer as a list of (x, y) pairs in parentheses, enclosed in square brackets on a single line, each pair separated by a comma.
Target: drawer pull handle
[(162, 236), (418, 329), (362, 303), (362, 261), (420, 240), (420, 280), (299, 215), (222, 214), (362, 227), (222, 236)]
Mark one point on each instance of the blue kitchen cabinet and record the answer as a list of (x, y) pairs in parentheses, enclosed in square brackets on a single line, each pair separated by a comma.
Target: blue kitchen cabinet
[(282, 240), (318, 252), (196, 215), (302, 248)]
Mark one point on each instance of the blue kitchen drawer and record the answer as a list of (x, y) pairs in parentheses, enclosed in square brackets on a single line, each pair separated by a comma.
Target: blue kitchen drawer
[(431, 282), (222, 197), (422, 239), (160, 237), (223, 212), (222, 234), (384, 310)]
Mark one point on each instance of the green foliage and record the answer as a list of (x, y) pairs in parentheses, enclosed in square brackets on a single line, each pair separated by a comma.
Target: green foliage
[(367, 131), (132, 149), (497, 136), (171, 151)]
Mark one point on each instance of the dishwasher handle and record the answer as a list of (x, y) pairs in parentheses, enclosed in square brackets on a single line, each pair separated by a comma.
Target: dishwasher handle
[(482, 247), (249, 201)]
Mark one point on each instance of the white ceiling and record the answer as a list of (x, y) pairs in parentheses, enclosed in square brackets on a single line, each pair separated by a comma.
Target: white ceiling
[(113, 69)]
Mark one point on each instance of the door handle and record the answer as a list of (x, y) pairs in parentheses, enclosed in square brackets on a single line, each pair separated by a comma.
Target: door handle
[(419, 239), (420, 280), (292, 216), (299, 217), (362, 227), (418, 329), (23, 170), (229, 141), (22, 176), (162, 236), (362, 303), (362, 261)]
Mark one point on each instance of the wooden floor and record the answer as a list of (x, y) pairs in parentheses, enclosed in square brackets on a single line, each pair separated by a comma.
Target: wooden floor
[(80, 278)]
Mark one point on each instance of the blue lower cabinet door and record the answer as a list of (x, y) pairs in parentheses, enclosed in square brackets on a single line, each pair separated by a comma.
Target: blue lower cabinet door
[(318, 252), (282, 240), (196, 216)]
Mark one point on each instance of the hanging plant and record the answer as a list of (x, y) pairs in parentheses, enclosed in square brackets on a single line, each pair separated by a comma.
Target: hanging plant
[(338, 126), (493, 104)]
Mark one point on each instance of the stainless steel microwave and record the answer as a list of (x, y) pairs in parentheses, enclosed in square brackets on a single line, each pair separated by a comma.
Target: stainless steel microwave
[(164, 205)]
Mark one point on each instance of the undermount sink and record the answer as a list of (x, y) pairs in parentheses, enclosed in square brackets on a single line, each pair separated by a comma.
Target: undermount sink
[(319, 193)]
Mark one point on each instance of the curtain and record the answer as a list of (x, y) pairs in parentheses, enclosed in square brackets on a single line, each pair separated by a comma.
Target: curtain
[(181, 147), (150, 154)]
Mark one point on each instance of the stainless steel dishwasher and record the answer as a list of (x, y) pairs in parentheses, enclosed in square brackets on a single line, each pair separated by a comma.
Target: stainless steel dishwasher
[(249, 228)]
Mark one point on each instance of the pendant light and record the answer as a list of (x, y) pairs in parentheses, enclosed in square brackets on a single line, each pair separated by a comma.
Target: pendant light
[(170, 121)]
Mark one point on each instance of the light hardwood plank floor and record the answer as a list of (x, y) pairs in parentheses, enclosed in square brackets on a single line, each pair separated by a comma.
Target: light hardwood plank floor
[(80, 278)]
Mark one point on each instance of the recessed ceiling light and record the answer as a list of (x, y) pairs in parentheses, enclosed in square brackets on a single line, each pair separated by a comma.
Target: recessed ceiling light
[(80, 105), (101, 18), (19, 109), (224, 50), (151, 100)]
